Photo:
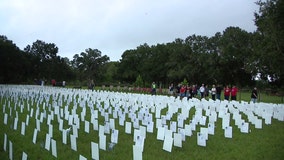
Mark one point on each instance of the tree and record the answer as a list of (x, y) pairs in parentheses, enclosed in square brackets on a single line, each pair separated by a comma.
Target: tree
[(110, 74), (179, 58), (270, 42), (44, 59), (214, 69), (89, 64), (42, 50), (13, 63), (152, 67), (135, 62), (201, 66), (235, 47), (62, 70)]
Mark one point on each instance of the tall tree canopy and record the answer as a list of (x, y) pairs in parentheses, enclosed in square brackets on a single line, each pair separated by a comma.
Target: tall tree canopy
[(90, 64), (199, 59), (12, 68), (269, 45), (42, 50), (235, 47), (46, 64)]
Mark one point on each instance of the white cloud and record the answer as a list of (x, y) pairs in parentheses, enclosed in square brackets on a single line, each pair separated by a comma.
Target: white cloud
[(113, 26)]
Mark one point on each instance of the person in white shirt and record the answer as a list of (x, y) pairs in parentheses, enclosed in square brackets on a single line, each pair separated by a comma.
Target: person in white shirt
[(213, 92), (202, 90)]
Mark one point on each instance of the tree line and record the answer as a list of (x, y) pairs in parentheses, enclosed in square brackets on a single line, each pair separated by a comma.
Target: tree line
[(233, 56)]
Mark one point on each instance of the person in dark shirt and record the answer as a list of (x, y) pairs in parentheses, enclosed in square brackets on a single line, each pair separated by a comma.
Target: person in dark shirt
[(234, 92), (218, 92), (254, 95)]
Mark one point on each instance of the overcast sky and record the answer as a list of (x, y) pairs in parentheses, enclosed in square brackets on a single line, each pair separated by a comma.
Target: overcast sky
[(113, 26)]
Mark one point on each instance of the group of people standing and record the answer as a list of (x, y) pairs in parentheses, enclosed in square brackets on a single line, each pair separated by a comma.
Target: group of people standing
[(204, 91), (230, 92)]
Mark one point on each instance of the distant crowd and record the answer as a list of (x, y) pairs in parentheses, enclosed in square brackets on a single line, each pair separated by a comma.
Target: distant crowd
[(43, 82), (183, 91), (203, 91)]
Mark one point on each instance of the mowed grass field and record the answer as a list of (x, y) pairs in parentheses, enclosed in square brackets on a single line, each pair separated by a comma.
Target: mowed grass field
[(265, 143)]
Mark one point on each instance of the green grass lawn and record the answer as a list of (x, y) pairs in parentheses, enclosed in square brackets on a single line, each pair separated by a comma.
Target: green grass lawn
[(265, 143)]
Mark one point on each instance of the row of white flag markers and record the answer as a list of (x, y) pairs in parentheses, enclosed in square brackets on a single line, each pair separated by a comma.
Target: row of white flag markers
[(68, 107)]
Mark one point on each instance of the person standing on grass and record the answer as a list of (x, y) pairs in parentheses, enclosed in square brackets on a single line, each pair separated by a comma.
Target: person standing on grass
[(206, 93), (171, 89), (189, 92), (194, 90), (234, 92), (218, 92), (213, 92), (182, 91), (227, 92), (153, 88), (53, 82), (177, 90), (202, 91), (254, 95), (92, 85)]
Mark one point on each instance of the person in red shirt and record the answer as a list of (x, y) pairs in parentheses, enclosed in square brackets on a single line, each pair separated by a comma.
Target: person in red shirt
[(227, 92), (182, 91), (234, 92), (53, 82)]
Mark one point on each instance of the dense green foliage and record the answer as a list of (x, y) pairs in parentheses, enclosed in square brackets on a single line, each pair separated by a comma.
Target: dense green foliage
[(199, 59), (90, 64), (270, 39), (233, 56), (39, 61)]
